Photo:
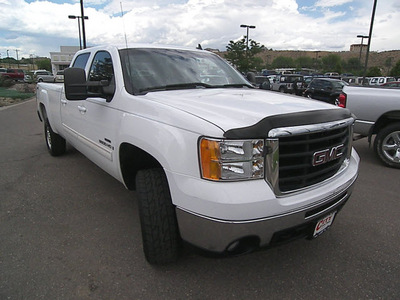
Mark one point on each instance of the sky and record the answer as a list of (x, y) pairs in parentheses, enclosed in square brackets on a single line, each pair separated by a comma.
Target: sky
[(36, 27)]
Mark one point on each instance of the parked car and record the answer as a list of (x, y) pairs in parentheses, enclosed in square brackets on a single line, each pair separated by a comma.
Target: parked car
[(285, 84), (3, 70), (381, 80), (325, 89), (43, 76), (332, 75), (14, 74), (259, 81), (59, 76), (392, 84)]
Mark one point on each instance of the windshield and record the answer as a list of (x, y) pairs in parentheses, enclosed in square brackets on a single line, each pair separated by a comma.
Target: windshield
[(149, 70), (338, 85)]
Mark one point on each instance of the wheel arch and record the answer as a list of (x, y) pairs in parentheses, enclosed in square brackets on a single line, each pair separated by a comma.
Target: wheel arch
[(131, 160), (383, 121)]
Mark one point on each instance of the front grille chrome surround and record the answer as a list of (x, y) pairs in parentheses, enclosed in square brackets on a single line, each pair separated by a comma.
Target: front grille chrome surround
[(289, 154)]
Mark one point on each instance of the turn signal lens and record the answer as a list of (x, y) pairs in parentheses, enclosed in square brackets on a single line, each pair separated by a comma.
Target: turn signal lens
[(231, 159), (209, 157)]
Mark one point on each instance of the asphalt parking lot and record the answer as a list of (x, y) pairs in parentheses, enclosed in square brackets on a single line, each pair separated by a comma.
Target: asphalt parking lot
[(70, 231)]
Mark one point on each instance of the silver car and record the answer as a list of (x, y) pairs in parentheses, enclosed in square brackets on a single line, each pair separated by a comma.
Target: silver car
[(43, 76)]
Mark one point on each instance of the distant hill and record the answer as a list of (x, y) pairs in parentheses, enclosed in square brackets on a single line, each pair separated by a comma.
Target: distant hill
[(376, 59)]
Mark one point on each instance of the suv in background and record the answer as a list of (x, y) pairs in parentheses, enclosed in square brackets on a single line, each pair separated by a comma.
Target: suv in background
[(289, 83), (325, 89), (381, 80), (43, 76)]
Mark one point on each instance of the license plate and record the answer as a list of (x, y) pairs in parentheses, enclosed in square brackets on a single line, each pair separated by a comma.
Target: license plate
[(323, 224)]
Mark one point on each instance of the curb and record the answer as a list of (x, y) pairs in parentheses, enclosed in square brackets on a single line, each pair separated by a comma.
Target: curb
[(20, 103)]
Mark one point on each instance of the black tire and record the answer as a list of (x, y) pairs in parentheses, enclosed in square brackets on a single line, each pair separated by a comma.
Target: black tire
[(387, 145), (56, 144), (160, 233)]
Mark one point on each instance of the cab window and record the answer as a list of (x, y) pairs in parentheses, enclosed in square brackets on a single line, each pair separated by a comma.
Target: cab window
[(102, 70)]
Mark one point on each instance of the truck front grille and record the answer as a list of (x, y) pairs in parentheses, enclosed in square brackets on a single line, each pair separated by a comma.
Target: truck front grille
[(298, 158)]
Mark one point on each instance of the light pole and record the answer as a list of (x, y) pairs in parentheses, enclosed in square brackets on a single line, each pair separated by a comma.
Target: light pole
[(247, 36), (369, 40), (362, 41), (79, 28), (8, 58), (83, 26), (16, 50)]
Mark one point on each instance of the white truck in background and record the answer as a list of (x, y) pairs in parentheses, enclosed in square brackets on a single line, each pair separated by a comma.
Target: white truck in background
[(377, 110), (214, 162)]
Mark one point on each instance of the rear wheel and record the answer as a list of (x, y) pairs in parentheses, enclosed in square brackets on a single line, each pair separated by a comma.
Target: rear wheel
[(55, 143), (160, 233), (387, 145)]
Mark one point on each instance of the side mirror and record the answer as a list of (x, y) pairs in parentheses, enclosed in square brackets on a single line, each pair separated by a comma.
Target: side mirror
[(77, 88), (75, 84)]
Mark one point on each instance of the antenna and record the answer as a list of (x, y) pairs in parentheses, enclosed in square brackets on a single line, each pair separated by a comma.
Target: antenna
[(123, 25)]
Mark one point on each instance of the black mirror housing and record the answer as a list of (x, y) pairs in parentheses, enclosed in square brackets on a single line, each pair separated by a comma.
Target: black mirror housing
[(75, 85)]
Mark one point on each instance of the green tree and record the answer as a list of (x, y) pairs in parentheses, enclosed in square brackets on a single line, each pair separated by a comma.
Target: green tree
[(395, 70), (374, 72), (43, 64), (353, 65), (244, 59), (304, 62), (283, 62), (332, 63)]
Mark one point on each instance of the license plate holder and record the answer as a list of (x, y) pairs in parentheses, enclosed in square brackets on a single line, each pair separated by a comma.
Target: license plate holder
[(323, 224)]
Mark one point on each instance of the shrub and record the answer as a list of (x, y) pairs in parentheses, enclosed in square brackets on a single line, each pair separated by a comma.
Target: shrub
[(6, 82)]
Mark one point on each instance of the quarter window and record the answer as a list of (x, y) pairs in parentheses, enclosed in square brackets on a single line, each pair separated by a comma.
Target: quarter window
[(81, 61)]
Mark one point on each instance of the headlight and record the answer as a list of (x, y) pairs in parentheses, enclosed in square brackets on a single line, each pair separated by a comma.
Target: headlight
[(231, 159)]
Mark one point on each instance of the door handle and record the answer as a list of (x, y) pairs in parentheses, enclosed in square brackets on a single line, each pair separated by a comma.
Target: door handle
[(64, 102), (82, 109)]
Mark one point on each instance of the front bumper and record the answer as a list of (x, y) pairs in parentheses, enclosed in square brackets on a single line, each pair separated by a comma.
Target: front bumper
[(235, 237)]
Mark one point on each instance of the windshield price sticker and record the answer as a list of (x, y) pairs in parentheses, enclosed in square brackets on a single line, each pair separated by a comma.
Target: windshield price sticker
[(324, 224)]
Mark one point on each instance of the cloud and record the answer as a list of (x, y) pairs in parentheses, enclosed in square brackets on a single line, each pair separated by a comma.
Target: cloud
[(331, 3), (41, 27)]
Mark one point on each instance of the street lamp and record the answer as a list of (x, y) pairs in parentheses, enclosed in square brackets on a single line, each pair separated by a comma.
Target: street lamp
[(79, 28), (362, 40), (369, 40), (247, 36)]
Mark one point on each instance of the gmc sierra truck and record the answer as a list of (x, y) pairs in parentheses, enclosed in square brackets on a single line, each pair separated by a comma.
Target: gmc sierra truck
[(377, 111), (214, 161)]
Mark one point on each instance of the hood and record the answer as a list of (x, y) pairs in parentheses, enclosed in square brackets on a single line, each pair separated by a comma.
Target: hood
[(235, 108)]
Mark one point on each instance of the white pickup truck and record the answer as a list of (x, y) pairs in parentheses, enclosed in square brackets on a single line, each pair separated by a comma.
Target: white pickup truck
[(214, 161), (377, 110)]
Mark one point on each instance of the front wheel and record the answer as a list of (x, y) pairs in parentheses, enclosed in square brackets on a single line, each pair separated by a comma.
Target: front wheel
[(160, 233), (55, 143), (387, 145)]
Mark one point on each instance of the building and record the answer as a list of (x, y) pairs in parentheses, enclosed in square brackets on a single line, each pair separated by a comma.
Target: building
[(61, 60), (358, 48)]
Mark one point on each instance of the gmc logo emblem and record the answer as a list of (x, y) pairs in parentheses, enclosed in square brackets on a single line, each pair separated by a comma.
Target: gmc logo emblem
[(327, 155)]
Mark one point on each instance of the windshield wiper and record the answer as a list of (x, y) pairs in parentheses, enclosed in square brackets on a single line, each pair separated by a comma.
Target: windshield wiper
[(190, 85), (178, 86), (236, 85)]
